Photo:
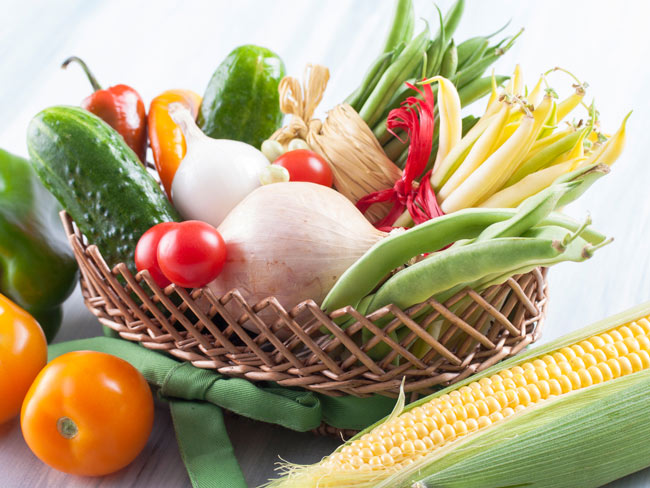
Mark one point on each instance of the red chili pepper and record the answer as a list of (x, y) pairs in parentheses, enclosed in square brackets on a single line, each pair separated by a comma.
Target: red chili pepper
[(416, 117), (120, 106)]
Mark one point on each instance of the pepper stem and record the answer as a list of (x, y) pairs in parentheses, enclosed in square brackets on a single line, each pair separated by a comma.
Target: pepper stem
[(93, 81)]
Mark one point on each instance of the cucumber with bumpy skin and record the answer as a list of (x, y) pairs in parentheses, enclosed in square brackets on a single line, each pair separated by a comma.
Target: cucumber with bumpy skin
[(97, 179), (241, 101)]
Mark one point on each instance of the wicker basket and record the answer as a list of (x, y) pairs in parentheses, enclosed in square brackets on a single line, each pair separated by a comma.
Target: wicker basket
[(211, 332)]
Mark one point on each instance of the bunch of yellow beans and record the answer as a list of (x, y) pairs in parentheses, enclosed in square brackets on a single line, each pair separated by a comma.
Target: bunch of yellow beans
[(520, 145)]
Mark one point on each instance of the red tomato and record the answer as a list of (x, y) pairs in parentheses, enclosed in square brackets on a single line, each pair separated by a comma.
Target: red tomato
[(146, 252), (305, 165), (191, 254)]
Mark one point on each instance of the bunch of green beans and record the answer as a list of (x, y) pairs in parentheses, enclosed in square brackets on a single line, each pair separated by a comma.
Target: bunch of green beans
[(409, 59), (465, 228)]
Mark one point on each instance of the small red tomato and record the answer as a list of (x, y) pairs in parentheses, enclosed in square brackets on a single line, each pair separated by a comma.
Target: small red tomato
[(191, 254), (305, 165), (146, 252)]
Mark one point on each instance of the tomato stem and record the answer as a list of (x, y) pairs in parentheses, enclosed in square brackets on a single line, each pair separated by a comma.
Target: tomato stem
[(66, 427)]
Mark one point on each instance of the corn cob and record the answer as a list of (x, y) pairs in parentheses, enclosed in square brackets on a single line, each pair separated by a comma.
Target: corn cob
[(445, 439)]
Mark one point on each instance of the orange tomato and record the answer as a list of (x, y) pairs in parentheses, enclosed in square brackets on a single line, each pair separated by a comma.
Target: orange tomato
[(23, 353), (87, 413), (165, 137)]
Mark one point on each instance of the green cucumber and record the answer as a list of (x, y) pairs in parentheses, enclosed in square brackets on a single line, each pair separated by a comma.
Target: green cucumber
[(97, 179), (241, 101)]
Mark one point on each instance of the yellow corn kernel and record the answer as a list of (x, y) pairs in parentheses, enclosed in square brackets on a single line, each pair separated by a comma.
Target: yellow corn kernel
[(587, 346), (496, 416), (534, 393), (625, 331), (644, 323), (568, 353), (616, 335), (635, 361), (595, 374), (577, 363), (448, 432), (410, 434), (626, 366), (636, 329), (554, 387), (589, 360), (524, 396), (599, 355), (631, 344), (437, 437), (548, 359), (507, 412), (645, 358), (585, 378)]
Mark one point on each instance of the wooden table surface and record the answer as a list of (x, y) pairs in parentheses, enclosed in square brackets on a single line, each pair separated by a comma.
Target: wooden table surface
[(171, 43)]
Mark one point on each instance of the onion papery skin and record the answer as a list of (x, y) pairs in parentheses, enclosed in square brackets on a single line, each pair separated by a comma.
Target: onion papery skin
[(291, 241)]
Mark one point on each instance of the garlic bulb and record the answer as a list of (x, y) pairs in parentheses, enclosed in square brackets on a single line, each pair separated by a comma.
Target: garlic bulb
[(215, 174)]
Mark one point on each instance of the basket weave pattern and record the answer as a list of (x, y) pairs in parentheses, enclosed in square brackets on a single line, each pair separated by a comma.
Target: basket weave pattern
[(481, 329)]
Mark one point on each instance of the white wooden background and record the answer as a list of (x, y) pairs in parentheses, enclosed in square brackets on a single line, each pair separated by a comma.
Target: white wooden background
[(165, 44)]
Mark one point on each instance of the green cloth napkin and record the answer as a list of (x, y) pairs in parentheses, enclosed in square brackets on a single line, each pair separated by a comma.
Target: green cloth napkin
[(196, 397)]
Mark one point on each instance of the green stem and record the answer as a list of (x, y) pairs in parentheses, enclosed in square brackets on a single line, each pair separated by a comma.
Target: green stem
[(93, 81)]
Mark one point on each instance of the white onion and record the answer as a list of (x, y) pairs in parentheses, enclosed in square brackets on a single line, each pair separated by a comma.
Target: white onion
[(292, 241)]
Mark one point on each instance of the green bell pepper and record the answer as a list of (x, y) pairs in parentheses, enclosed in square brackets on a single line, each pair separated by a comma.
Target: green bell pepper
[(37, 267)]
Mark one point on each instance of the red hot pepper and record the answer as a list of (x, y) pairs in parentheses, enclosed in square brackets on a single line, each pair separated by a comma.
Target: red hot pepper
[(120, 106)]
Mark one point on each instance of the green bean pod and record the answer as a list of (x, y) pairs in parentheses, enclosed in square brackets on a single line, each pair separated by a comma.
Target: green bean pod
[(476, 69), (395, 147), (530, 212), (435, 49), (452, 267), (393, 77), (468, 49), (577, 249), (370, 79), (587, 177), (402, 27), (449, 61), (439, 44), (478, 88), (544, 157), (396, 250), (473, 49)]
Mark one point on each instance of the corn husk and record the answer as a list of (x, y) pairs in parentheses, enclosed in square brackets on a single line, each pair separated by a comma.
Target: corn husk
[(584, 438)]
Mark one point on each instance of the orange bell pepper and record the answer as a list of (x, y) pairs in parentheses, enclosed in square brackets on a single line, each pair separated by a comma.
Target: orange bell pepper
[(165, 137)]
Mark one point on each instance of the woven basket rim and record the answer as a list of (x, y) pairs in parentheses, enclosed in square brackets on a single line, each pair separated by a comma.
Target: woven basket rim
[(331, 363)]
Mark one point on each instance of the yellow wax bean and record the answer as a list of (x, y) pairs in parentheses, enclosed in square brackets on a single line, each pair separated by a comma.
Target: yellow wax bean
[(480, 151), (451, 127)]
